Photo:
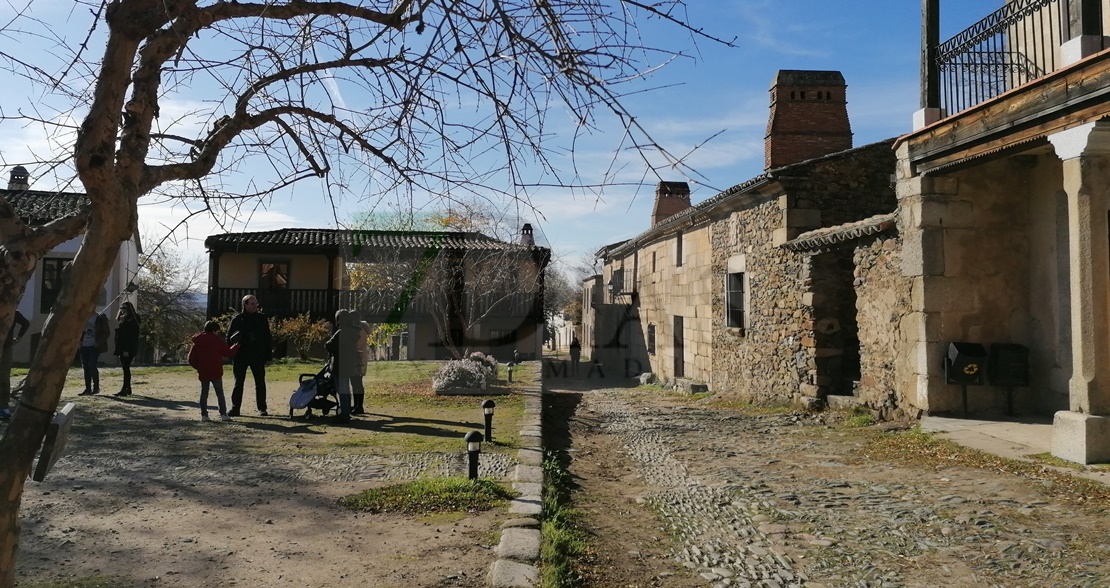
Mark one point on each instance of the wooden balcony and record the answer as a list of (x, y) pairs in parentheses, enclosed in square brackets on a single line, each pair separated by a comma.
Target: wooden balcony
[(375, 307)]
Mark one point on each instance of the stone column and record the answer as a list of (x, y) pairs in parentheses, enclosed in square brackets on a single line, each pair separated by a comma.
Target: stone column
[(1082, 434), (923, 203)]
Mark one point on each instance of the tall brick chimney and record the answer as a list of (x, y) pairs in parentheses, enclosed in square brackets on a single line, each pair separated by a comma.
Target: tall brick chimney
[(671, 198), (809, 117)]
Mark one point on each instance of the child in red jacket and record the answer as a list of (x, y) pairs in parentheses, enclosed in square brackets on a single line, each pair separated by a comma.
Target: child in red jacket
[(207, 357)]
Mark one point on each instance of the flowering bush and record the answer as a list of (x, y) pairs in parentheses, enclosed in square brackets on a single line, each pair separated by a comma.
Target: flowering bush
[(487, 363), (462, 373)]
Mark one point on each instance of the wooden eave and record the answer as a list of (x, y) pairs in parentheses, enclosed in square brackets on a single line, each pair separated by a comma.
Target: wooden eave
[(1016, 120)]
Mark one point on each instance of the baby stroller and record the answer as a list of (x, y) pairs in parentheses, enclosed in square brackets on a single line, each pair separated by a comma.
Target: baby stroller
[(315, 392)]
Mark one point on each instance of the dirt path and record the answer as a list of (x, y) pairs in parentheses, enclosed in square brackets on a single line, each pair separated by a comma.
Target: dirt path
[(149, 496)]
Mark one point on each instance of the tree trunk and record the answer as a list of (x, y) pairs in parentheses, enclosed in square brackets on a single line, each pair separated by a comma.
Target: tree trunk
[(49, 366)]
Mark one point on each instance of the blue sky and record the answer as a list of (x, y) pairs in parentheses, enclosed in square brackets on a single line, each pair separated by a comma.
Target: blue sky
[(719, 93)]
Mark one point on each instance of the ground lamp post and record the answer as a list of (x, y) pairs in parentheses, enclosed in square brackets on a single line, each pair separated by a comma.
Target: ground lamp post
[(473, 448), (510, 371), (487, 411)]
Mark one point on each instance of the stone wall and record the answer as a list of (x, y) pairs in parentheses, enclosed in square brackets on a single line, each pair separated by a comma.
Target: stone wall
[(779, 355), (768, 360), (882, 304)]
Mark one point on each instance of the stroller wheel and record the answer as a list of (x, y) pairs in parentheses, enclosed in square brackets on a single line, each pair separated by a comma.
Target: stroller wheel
[(308, 414), (290, 413)]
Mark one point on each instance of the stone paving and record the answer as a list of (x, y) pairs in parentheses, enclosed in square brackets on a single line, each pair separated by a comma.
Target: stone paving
[(781, 501)]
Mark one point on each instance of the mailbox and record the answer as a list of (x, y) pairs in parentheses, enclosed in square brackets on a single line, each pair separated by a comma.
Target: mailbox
[(1009, 365), (965, 363)]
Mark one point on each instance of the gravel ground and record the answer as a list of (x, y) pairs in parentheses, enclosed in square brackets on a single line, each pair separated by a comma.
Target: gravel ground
[(783, 500)]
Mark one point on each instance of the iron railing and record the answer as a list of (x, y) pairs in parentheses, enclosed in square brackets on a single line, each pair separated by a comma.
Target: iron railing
[(1012, 46)]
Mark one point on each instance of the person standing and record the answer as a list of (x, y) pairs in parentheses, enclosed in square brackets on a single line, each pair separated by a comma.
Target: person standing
[(206, 355), (94, 341), (359, 391), (251, 331), (343, 347), (575, 355), (14, 336), (127, 343)]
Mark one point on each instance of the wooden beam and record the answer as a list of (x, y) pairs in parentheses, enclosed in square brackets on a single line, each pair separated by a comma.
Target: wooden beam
[(1081, 18), (930, 40)]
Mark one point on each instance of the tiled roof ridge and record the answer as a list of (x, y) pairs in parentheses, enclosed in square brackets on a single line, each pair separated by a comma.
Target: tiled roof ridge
[(770, 175), (826, 236)]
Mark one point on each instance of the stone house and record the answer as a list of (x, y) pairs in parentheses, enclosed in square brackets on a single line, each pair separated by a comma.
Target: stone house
[(753, 291), (40, 207), (1004, 198), (448, 291), (983, 289)]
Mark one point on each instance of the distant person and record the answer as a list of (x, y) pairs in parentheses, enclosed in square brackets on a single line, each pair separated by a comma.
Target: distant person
[(94, 341), (206, 355), (19, 328), (357, 387), (575, 355), (251, 331), (345, 370), (127, 343)]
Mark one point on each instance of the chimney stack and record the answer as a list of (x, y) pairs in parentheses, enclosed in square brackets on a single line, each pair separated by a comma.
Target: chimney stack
[(809, 117), (19, 179), (671, 198), (526, 237)]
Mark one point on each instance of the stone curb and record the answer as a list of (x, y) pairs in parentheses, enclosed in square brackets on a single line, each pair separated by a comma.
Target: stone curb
[(518, 553)]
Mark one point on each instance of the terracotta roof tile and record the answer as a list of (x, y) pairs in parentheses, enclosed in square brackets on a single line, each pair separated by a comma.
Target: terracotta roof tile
[(341, 238), (37, 207)]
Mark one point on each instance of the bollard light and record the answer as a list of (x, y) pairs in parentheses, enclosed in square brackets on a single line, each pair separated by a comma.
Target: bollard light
[(473, 448), (510, 371), (487, 411)]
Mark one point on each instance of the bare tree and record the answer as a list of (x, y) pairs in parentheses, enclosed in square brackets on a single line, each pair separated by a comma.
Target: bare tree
[(449, 97), (169, 287)]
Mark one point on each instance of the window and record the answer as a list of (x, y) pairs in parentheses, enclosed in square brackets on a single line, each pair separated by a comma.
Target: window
[(51, 282), (734, 300), (653, 262), (651, 338), (678, 249), (737, 296), (273, 287), (274, 275)]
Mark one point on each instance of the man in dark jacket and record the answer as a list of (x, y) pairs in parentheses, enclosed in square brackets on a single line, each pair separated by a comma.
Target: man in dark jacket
[(251, 331)]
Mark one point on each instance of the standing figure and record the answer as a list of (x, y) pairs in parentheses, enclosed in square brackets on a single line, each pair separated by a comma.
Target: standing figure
[(6, 362), (94, 341), (251, 331), (575, 355), (127, 343), (343, 347), (207, 356), (364, 358)]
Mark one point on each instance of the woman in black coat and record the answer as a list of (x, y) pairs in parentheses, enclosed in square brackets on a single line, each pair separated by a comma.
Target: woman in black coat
[(127, 343)]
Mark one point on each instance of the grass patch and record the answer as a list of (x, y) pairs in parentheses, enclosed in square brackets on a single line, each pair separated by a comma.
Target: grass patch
[(565, 543), (859, 420), (430, 495), (920, 449)]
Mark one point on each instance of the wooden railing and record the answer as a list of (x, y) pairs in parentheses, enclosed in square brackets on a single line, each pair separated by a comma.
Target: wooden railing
[(375, 307)]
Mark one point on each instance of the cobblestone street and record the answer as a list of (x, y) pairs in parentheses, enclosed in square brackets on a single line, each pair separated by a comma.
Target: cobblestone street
[(681, 495)]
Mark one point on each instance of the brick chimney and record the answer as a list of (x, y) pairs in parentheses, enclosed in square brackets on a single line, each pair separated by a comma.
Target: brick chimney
[(671, 198), (19, 180), (809, 117)]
